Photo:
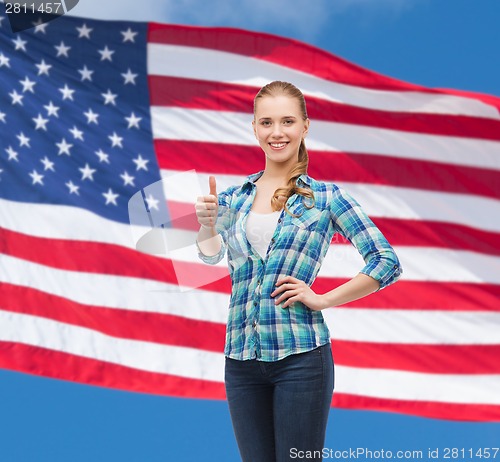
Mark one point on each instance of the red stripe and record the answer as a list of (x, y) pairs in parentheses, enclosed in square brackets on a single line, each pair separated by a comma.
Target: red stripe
[(122, 323), (209, 336), (293, 54), (219, 158), (218, 96), (101, 258), (444, 359), (49, 363), (399, 232), (436, 410), (58, 365), (423, 295)]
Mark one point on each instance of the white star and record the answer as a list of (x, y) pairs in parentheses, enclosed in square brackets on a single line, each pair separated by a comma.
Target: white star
[(36, 177), (4, 61), (140, 163), (40, 122), (127, 179), (84, 31), (106, 53), (62, 49), (12, 154), (27, 84), (152, 202), (87, 172), (67, 92), (86, 73), (43, 68), (17, 98), (109, 97), (110, 197), (23, 140), (133, 121), (77, 134), (52, 110), (2, 116), (116, 140), (64, 147), (103, 157), (20, 43), (40, 26), (73, 189), (128, 35), (47, 164), (129, 77), (91, 116)]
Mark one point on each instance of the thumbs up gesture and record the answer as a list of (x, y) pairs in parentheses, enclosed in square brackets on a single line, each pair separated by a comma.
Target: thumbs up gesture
[(207, 207)]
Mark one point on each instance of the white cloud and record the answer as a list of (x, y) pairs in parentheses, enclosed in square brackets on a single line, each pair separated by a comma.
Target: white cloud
[(302, 19)]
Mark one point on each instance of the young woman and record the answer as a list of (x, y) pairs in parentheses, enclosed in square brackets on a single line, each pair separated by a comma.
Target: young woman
[(277, 227)]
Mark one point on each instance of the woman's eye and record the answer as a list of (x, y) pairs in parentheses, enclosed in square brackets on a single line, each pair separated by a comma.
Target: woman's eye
[(288, 122), (266, 123)]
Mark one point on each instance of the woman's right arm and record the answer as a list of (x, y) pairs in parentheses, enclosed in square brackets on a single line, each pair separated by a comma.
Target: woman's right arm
[(208, 241)]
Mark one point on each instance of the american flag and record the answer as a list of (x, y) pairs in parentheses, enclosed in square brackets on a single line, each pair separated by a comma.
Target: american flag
[(94, 114)]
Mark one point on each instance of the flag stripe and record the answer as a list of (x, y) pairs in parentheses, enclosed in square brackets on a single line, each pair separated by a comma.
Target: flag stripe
[(200, 61), (201, 125), (419, 326), (181, 266), (57, 364), (449, 411), (355, 167), (176, 330), (220, 96), (447, 359), (199, 364)]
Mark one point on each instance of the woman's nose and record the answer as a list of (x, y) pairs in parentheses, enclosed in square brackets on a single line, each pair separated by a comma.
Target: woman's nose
[(277, 131)]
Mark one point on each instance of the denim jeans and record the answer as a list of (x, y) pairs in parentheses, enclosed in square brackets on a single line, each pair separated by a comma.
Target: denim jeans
[(280, 408)]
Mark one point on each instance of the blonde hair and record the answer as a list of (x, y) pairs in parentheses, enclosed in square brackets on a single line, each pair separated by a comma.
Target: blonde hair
[(278, 88)]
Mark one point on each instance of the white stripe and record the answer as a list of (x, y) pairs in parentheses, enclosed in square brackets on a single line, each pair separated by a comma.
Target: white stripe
[(374, 325), (232, 68), (341, 261), (413, 326), (198, 364), (376, 200), (80, 341), (415, 386), (200, 125)]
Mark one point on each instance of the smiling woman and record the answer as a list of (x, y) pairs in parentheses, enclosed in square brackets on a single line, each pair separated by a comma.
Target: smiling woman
[(277, 228)]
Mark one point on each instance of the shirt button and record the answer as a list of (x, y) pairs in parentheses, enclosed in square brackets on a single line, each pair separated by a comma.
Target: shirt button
[(254, 324), (255, 303), (279, 221)]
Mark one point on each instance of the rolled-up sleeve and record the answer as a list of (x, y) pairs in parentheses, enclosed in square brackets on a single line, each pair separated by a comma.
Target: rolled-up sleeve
[(350, 220), (225, 218)]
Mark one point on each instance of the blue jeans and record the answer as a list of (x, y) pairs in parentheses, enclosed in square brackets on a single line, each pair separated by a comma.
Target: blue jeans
[(280, 408)]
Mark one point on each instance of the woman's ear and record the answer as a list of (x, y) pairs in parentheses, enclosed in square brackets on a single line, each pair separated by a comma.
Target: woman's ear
[(306, 128), (254, 129)]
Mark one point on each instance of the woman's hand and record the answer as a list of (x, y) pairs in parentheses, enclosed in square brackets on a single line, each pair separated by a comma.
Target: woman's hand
[(295, 290), (207, 206)]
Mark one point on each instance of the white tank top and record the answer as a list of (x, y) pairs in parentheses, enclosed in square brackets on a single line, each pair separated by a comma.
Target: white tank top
[(260, 230)]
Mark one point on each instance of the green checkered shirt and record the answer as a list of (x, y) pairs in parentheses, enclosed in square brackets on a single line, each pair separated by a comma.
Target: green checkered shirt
[(259, 329)]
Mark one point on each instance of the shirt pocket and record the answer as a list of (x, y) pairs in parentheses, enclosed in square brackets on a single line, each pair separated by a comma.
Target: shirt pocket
[(308, 220)]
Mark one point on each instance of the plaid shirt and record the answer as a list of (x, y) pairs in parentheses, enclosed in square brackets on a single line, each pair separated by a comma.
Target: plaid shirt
[(259, 329)]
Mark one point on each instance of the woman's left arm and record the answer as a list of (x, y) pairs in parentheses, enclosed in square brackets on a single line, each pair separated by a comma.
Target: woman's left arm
[(382, 266)]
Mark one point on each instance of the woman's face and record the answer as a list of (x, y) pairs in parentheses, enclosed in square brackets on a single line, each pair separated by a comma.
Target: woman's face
[(279, 128)]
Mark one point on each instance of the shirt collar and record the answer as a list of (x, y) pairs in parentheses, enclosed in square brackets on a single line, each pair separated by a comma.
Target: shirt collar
[(304, 178)]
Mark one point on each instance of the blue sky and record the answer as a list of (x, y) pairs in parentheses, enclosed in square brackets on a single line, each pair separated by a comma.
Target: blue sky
[(436, 43)]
